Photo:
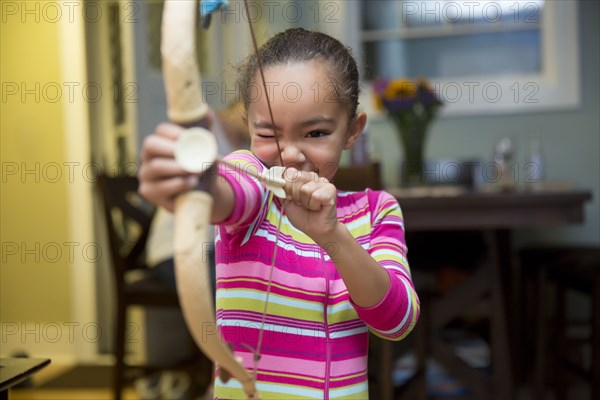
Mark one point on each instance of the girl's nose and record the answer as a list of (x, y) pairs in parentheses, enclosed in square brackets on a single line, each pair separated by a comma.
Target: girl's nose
[(292, 154)]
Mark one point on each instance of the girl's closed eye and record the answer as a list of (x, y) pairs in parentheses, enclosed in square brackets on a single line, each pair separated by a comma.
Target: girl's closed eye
[(317, 134), (266, 135)]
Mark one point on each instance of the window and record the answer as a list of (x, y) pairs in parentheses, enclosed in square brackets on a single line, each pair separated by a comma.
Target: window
[(484, 57)]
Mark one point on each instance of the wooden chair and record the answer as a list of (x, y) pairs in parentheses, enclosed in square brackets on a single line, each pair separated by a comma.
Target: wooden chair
[(128, 218), (558, 355), (358, 177)]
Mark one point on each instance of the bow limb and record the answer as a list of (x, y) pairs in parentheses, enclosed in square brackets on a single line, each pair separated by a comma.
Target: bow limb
[(192, 209), (180, 71), (192, 213)]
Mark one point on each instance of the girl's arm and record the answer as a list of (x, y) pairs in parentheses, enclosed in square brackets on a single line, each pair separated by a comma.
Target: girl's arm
[(366, 280), (311, 207), (378, 280)]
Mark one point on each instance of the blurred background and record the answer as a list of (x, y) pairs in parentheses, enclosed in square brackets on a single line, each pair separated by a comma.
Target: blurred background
[(82, 87)]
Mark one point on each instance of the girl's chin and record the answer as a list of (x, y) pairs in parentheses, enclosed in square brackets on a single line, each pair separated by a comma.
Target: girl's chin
[(274, 163), (277, 163)]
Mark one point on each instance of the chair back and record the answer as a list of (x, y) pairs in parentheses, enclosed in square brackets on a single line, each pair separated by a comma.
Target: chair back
[(128, 218), (358, 177)]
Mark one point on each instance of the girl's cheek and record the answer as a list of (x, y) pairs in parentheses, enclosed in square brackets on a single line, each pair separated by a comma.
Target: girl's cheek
[(265, 152)]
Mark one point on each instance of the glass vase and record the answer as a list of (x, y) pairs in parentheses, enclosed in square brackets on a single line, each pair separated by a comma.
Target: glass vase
[(413, 143)]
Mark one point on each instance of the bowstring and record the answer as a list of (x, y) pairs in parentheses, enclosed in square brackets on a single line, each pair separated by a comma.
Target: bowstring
[(257, 355)]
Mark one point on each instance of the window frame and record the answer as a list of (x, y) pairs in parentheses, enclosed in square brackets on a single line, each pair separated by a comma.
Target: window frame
[(556, 87)]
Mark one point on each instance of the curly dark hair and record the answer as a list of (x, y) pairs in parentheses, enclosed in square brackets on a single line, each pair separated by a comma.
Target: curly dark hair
[(300, 45)]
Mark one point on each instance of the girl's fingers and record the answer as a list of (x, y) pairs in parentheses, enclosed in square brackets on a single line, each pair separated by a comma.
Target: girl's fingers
[(161, 178), (169, 131), (296, 192), (157, 146), (162, 142), (164, 191), (295, 181), (293, 176), (308, 190), (160, 168), (169, 205), (322, 196)]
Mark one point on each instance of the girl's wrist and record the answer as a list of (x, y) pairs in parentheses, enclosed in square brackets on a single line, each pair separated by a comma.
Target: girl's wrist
[(333, 238)]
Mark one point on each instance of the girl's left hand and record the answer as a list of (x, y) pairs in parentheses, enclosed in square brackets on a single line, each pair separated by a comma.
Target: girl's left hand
[(311, 203)]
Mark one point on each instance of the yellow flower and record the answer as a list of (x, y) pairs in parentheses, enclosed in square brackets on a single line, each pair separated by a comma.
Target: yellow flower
[(400, 88)]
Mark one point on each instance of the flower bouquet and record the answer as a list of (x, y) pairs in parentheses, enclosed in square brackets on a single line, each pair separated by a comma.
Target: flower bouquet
[(411, 105)]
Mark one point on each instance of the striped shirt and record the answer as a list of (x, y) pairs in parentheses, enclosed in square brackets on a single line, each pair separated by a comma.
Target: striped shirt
[(315, 339)]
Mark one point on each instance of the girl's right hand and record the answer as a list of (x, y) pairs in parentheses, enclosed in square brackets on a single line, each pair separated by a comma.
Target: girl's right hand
[(161, 178)]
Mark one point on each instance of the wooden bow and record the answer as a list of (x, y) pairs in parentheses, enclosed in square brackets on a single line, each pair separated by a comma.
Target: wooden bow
[(192, 209)]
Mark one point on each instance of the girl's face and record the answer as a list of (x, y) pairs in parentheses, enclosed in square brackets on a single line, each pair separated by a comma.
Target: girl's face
[(313, 127)]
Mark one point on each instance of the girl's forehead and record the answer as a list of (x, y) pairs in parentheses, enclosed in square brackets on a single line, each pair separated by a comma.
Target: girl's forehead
[(297, 70), (297, 82)]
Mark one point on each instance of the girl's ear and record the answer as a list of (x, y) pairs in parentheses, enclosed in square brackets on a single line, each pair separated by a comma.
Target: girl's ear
[(357, 125)]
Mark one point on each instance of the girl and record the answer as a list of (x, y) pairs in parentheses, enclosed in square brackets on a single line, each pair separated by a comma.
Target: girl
[(340, 267)]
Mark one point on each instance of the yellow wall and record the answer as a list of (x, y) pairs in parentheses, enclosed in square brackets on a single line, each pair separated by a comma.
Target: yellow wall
[(36, 254)]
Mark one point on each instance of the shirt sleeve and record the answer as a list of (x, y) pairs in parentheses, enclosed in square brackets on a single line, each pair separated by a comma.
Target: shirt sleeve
[(251, 196), (397, 313)]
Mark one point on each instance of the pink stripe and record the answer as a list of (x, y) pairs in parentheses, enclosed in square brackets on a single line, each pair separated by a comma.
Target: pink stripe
[(344, 326), (247, 191), (357, 215), (341, 296), (350, 347), (385, 245), (356, 201), (276, 363), (253, 317), (349, 366), (262, 286), (306, 367), (291, 381), (347, 382)]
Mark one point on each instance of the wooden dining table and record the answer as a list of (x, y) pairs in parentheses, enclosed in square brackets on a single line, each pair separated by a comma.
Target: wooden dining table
[(497, 213)]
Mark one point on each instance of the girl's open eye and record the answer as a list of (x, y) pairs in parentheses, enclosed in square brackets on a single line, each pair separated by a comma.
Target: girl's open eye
[(317, 134)]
